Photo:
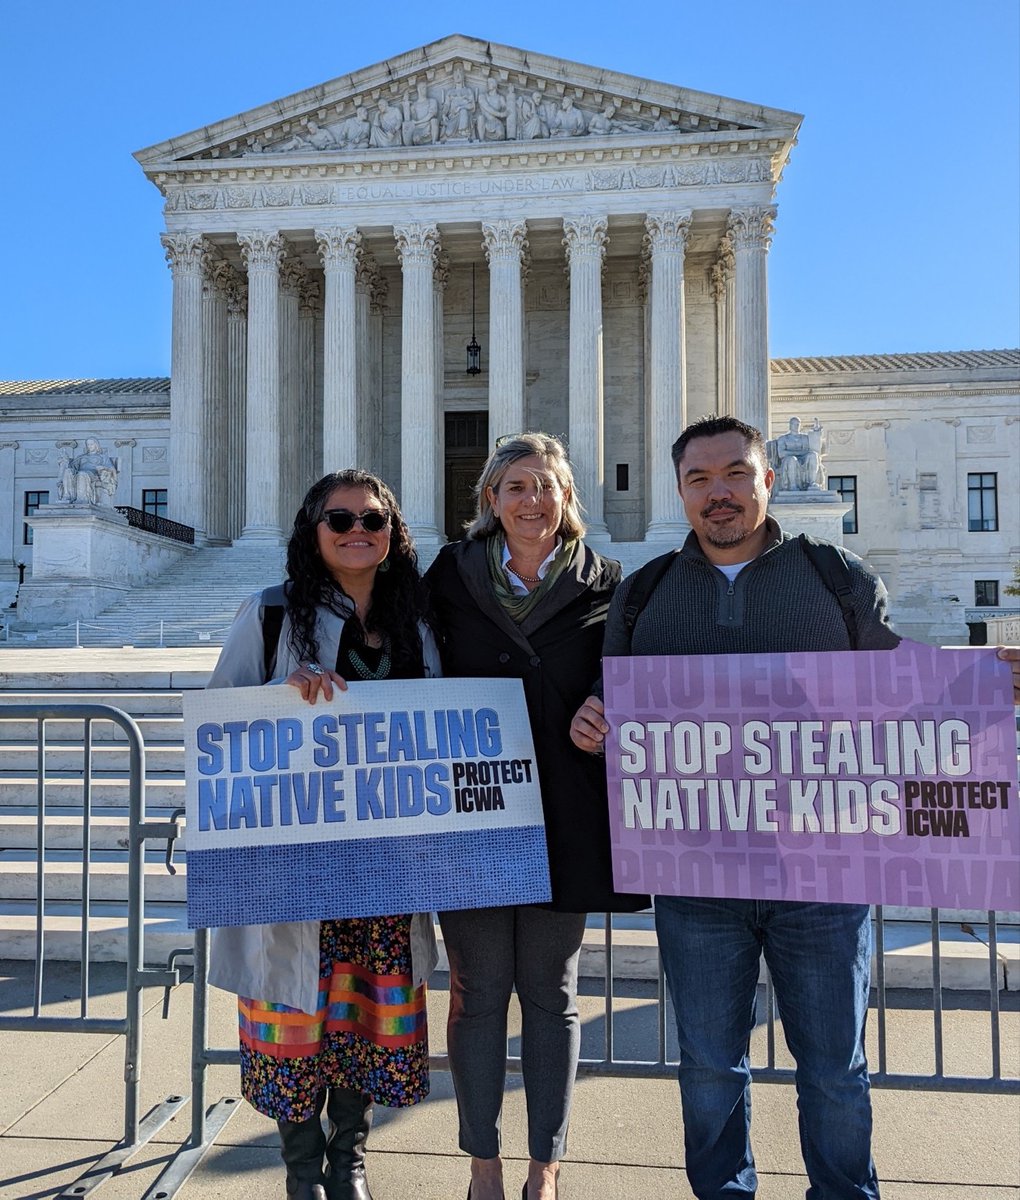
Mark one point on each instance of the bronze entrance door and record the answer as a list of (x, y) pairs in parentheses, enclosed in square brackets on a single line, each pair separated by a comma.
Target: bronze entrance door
[(467, 448)]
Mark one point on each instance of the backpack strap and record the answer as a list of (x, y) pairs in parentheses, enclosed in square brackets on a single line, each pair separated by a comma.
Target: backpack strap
[(274, 605), (645, 582), (829, 562)]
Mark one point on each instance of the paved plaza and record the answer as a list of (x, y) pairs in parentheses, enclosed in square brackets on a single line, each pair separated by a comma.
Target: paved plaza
[(61, 1108)]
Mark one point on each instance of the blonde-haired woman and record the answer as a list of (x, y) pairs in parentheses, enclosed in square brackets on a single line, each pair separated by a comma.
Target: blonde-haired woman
[(521, 596)]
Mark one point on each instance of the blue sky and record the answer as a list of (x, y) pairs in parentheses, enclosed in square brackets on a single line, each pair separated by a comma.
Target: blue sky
[(898, 226)]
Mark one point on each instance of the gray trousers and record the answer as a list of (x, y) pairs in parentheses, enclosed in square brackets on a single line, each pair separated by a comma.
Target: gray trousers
[(492, 951)]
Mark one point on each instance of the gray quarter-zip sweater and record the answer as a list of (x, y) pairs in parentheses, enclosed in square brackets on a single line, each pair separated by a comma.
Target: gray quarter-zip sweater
[(777, 604)]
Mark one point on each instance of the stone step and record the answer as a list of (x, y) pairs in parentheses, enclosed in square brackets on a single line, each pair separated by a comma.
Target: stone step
[(964, 957), (65, 757), (165, 930), (21, 790), (109, 830), (196, 599), (156, 731), (139, 705), (107, 881)]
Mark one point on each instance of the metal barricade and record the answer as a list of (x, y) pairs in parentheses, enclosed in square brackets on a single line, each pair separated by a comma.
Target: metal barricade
[(206, 1125), (137, 1131), (939, 1080)]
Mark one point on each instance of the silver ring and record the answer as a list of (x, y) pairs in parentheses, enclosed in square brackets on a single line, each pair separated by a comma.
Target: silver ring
[(314, 668)]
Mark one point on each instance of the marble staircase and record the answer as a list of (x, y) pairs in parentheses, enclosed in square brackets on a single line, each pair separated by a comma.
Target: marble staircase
[(193, 602)]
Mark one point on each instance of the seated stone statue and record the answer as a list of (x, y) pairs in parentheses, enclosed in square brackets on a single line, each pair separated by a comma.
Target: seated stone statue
[(89, 478), (387, 126), (354, 132), (796, 458)]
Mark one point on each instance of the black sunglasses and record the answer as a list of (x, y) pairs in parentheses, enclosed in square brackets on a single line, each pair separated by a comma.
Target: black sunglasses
[(342, 520)]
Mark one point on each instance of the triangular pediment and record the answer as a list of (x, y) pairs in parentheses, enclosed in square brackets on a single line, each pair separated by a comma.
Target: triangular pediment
[(460, 92)]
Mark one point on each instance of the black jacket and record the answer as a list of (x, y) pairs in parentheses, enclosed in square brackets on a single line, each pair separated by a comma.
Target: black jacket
[(556, 651)]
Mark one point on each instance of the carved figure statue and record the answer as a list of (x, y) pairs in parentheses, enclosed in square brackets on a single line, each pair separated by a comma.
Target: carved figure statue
[(608, 122), (315, 139), (797, 458), (89, 478), (491, 121), (421, 119), (458, 107), (603, 122), (387, 126), (662, 123), (568, 120), (353, 134), (531, 118)]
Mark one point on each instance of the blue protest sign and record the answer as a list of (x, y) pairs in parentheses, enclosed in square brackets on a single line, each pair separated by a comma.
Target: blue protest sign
[(396, 796)]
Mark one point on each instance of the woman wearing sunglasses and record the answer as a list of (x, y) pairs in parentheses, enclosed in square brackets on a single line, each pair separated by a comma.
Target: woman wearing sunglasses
[(522, 597), (332, 1013)]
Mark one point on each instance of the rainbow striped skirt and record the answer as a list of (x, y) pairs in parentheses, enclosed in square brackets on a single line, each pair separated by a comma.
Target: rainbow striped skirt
[(369, 1033)]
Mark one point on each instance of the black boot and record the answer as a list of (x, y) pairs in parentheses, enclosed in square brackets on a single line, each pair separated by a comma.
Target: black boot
[(350, 1118), (302, 1145)]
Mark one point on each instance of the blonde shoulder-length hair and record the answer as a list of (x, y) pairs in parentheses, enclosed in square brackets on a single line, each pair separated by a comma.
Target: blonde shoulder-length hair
[(510, 450)]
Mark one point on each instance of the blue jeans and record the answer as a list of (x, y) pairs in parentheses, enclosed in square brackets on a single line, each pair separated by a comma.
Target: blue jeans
[(819, 956)]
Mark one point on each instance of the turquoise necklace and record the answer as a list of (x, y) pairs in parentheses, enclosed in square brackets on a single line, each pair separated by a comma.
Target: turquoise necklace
[(362, 667)]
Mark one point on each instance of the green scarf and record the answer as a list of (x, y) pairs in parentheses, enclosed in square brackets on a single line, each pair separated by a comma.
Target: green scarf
[(518, 607)]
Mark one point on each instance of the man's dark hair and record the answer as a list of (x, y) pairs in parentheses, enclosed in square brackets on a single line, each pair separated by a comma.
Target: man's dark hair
[(709, 427)]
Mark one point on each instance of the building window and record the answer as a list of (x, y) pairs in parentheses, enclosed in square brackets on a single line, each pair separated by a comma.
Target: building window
[(986, 593), (32, 502), (154, 501), (846, 485), (982, 502)]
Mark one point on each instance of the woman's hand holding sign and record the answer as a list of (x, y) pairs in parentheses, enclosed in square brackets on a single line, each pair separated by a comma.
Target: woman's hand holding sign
[(310, 679)]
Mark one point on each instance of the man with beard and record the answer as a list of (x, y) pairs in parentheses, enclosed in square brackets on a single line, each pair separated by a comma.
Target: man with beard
[(741, 585)]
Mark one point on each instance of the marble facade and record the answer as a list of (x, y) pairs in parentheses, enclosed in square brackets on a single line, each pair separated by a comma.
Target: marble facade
[(909, 429), (322, 250), (606, 239)]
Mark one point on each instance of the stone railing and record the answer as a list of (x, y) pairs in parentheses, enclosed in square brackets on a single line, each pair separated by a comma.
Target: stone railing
[(1003, 630), (138, 519)]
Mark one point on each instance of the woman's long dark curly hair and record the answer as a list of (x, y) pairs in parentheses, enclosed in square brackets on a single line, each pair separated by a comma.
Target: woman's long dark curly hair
[(399, 598)]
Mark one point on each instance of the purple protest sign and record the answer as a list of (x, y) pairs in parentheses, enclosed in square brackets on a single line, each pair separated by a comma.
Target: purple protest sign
[(880, 777)]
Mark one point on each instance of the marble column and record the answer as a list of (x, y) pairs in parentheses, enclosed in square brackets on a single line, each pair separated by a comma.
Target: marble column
[(309, 333), (505, 243), (237, 354), (367, 282), (585, 240), (417, 246), (721, 281), (667, 390), (214, 387), (12, 505), (338, 252), (440, 280), (186, 483), (293, 431), (751, 232), (262, 252)]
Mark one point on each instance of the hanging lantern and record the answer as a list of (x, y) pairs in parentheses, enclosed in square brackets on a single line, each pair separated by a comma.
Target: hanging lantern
[(474, 351)]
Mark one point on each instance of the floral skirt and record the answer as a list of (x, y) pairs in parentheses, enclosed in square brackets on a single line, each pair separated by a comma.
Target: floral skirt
[(369, 1033)]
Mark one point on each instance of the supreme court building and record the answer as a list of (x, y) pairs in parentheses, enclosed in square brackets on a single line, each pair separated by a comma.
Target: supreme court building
[(396, 268), (603, 238)]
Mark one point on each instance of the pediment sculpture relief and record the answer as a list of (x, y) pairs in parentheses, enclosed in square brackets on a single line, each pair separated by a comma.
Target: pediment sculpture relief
[(463, 110)]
